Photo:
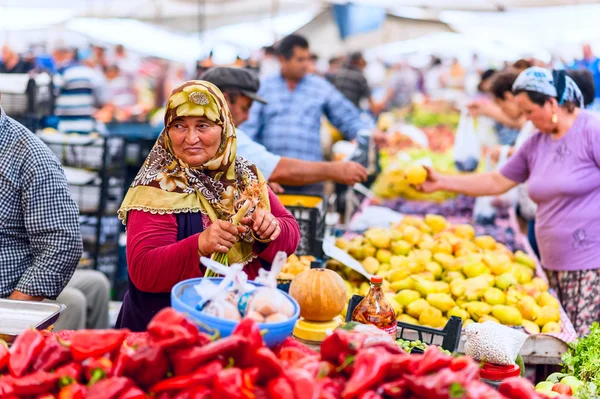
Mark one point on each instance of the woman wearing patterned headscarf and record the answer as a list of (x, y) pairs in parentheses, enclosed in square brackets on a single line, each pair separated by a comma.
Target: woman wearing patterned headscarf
[(184, 199), (561, 164)]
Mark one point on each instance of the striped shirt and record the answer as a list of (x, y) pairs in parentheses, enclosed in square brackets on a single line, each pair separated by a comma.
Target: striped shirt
[(76, 103)]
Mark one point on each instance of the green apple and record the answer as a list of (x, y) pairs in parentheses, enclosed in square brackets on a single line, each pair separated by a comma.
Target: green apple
[(573, 382), (555, 377), (544, 386)]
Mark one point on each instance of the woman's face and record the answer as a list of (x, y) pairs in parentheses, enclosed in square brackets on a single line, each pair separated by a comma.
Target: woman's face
[(540, 116), (195, 139), (509, 106)]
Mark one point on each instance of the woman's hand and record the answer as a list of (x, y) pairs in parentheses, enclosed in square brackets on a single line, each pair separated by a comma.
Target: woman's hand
[(264, 225), (433, 183), (219, 237)]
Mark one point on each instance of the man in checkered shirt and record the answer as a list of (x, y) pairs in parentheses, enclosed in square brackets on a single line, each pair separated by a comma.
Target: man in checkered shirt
[(40, 242)]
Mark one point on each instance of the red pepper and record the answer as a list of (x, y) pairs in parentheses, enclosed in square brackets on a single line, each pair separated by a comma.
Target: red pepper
[(46, 396), (233, 383), (340, 345), (186, 360), (370, 395), (33, 384), (25, 350), (122, 360), (73, 391), (146, 366), (137, 340), (370, 369), (290, 342), (133, 393), (205, 375), (289, 356), (194, 393), (69, 373), (203, 339), (479, 390), (97, 369), (433, 360), (466, 366), (441, 385), (517, 388), (390, 346), (268, 365), (302, 382), (109, 388), (96, 343), (6, 388), (248, 329), (312, 364), (170, 329), (55, 353), (4, 355), (331, 388), (280, 388), (394, 389), (402, 364), (65, 335)]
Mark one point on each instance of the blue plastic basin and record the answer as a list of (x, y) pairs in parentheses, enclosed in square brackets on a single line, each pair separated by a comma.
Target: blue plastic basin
[(184, 299)]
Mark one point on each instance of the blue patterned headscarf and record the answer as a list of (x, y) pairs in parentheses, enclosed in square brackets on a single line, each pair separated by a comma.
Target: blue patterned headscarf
[(551, 83)]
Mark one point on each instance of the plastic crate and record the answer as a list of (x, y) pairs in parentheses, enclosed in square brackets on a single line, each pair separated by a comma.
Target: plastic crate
[(310, 212), (447, 338)]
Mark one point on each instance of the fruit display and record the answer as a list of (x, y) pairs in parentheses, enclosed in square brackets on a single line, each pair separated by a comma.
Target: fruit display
[(397, 173), (432, 114), (174, 360), (563, 384), (433, 269), (582, 363), (294, 266)]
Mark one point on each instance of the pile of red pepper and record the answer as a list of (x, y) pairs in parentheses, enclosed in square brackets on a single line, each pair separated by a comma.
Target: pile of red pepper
[(173, 360)]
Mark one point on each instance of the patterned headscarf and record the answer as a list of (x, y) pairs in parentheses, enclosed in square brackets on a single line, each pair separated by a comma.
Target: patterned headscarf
[(551, 83), (166, 184)]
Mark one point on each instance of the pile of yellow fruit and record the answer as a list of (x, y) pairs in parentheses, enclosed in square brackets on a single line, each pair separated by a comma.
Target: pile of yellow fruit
[(399, 176), (294, 266), (433, 270)]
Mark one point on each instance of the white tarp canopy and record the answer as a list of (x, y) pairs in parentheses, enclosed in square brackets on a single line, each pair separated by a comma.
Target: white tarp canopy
[(323, 35), (195, 15), (245, 25)]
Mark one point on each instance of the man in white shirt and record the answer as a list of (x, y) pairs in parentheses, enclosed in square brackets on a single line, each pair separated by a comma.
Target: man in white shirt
[(240, 88)]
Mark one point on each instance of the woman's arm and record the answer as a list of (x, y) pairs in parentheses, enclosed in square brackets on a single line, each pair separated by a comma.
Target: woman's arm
[(475, 185), (156, 261), (288, 239)]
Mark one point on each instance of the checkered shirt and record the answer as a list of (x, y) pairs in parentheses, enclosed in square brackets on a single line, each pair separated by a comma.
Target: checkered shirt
[(290, 124), (40, 242)]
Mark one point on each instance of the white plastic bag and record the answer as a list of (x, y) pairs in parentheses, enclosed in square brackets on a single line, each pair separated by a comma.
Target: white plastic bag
[(509, 198), (467, 147), (214, 297), (267, 304), (493, 343)]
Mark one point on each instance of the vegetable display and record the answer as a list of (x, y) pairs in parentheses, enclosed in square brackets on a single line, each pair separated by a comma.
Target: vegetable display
[(174, 360), (582, 361), (433, 270)]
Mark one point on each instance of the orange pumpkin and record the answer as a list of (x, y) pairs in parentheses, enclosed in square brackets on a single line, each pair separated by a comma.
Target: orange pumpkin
[(321, 294)]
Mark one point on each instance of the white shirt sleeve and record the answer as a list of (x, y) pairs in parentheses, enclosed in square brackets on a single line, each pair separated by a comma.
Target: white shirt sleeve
[(257, 154)]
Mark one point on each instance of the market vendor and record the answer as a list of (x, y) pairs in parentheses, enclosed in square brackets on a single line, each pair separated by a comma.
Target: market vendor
[(561, 164), (180, 205), (240, 88)]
